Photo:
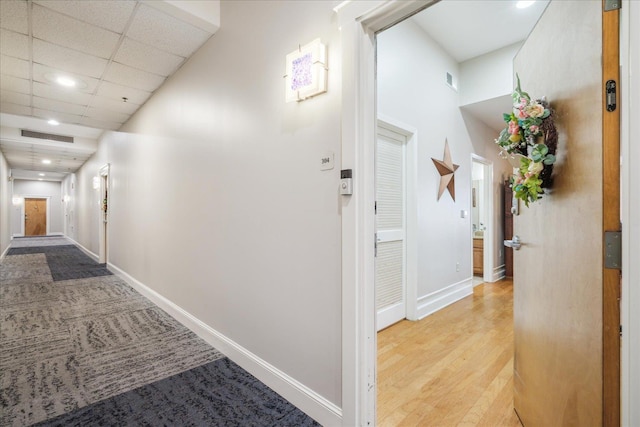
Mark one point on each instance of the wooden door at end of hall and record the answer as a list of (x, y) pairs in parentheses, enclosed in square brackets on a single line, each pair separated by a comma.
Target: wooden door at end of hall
[(35, 217)]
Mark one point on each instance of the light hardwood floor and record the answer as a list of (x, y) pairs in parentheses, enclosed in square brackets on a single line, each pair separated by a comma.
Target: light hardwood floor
[(453, 368)]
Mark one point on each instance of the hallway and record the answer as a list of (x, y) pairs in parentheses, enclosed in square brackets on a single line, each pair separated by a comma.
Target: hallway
[(454, 367), (81, 345)]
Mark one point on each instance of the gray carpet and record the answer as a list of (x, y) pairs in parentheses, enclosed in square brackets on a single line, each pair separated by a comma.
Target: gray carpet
[(94, 349)]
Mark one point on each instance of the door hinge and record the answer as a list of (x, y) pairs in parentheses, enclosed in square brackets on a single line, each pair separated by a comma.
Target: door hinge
[(612, 5), (613, 250), (375, 245), (375, 207)]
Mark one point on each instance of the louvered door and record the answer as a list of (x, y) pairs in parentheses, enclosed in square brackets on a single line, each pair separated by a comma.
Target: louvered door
[(390, 227)]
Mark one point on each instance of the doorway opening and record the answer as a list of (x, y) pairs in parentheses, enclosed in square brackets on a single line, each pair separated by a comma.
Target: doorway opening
[(482, 220), (104, 212)]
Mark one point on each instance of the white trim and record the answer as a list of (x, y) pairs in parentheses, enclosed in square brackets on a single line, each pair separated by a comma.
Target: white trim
[(359, 21), (310, 402), (4, 254), (441, 298), (390, 315), (499, 273), (93, 255), (630, 212)]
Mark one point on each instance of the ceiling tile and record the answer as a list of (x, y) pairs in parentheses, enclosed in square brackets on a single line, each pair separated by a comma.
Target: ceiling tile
[(106, 115), (15, 84), (14, 16), (59, 116), (114, 105), (128, 76), (100, 124), (156, 28), (116, 91), (147, 58), (58, 92), (112, 15), (62, 30), (14, 44), (14, 67), (15, 98), (19, 110), (68, 59), (40, 71), (53, 105)]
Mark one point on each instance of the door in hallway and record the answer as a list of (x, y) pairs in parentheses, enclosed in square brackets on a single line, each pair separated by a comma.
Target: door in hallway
[(35, 217), (560, 303), (390, 227)]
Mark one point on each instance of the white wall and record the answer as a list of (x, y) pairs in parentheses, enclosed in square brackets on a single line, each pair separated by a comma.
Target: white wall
[(68, 189), (29, 188), (487, 76), (5, 205), (217, 199), (411, 88)]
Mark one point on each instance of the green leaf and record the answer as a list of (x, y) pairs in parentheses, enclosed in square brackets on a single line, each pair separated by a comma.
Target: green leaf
[(549, 160), (506, 117)]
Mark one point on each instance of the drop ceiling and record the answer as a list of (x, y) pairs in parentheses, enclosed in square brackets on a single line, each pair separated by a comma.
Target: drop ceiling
[(120, 52)]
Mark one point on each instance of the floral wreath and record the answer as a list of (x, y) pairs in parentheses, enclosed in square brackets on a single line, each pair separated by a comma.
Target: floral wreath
[(529, 142)]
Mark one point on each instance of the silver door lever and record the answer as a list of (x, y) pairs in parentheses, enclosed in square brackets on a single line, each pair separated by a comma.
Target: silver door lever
[(513, 243)]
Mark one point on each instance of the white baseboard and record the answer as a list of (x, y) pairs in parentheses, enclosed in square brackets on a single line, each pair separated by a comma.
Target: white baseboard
[(499, 273), (310, 402), (57, 233), (5, 252), (95, 257), (17, 235), (390, 315), (435, 301)]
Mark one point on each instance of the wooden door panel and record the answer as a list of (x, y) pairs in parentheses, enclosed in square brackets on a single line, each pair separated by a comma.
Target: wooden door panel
[(558, 272), (35, 223)]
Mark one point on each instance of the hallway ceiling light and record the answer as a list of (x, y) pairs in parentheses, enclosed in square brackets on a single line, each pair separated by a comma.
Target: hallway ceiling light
[(46, 161), (65, 80), (41, 174), (522, 4), (53, 122)]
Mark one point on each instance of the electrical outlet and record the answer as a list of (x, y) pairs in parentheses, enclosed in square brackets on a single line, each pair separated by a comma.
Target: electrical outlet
[(458, 266)]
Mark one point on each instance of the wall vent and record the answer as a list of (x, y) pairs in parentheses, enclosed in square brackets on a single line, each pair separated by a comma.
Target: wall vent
[(50, 136), (450, 82)]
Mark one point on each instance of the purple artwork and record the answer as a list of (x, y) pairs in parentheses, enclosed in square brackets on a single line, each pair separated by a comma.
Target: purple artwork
[(301, 71)]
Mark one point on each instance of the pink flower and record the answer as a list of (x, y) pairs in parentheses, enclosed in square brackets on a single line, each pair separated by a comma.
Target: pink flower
[(520, 113), (523, 103), (534, 129), (513, 127)]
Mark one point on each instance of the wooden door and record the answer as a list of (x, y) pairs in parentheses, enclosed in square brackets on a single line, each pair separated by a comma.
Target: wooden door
[(559, 375), (390, 228), (35, 217)]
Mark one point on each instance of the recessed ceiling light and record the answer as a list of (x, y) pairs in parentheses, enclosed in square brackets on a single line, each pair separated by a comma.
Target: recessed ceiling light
[(65, 81), (46, 161), (40, 179), (41, 174), (524, 3), (53, 122)]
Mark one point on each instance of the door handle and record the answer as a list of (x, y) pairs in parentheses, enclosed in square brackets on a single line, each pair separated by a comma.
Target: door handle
[(513, 243)]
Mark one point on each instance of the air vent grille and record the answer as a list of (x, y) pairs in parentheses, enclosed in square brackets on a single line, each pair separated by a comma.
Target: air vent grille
[(50, 136)]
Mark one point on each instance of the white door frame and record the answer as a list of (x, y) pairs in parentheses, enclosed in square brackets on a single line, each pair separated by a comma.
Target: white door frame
[(103, 174), (22, 212), (488, 243), (411, 211), (359, 21)]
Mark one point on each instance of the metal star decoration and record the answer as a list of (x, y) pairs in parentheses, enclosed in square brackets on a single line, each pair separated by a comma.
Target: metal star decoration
[(446, 169)]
